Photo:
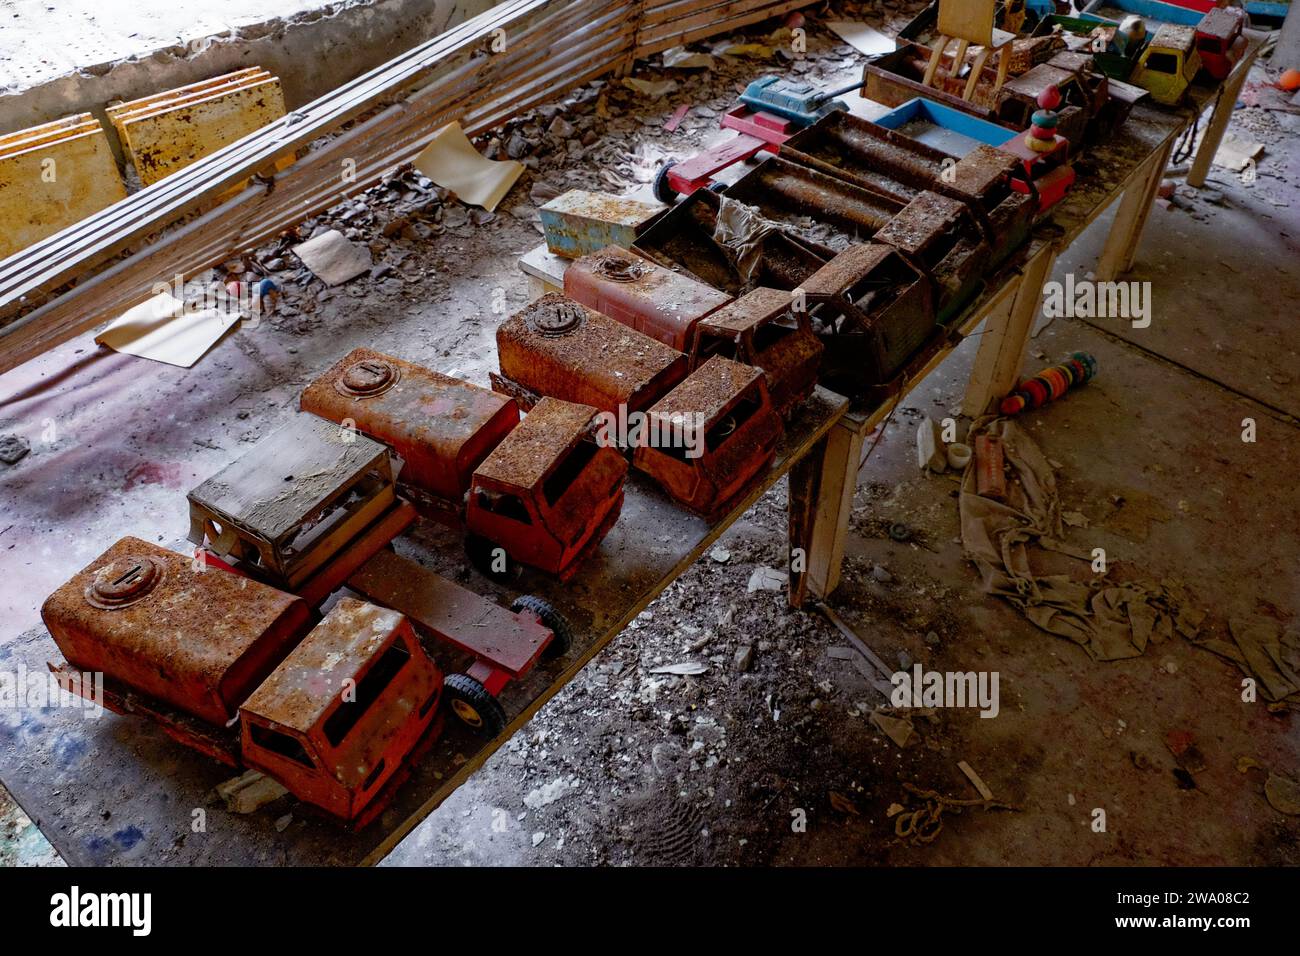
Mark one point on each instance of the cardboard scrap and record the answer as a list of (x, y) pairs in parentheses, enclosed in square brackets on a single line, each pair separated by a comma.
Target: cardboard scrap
[(1236, 154), (333, 258), (863, 38), (680, 58), (163, 330), (652, 89), (899, 730), (452, 162)]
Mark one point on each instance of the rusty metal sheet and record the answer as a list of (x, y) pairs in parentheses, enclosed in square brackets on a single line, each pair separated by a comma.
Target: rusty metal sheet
[(924, 226), (197, 638), (563, 349), (580, 222), (442, 427), (643, 295), (729, 404)]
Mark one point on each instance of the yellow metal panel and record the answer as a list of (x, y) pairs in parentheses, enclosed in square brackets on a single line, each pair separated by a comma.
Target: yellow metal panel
[(149, 105), (51, 186), (47, 133), (164, 142)]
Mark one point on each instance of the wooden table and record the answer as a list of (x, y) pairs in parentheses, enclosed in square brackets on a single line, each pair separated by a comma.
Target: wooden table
[(119, 791)]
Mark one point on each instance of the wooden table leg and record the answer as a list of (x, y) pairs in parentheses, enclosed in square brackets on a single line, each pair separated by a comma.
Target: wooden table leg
[(1126, 231), (805, 487), (822, 484), (1224, 104), (1006, 335)]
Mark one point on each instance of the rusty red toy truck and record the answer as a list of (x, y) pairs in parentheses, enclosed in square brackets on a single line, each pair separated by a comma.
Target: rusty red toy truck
[(233, 668), (454, 436)]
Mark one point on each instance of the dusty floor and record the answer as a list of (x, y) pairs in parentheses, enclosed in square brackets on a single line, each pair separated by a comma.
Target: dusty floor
[(780, 764)]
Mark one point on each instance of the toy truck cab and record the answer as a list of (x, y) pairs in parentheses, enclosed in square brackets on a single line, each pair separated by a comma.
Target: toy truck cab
[(548, 493), (1219, 40), (873, 309), (710, 436), (337, 719), (763, 330), (1169, 64)]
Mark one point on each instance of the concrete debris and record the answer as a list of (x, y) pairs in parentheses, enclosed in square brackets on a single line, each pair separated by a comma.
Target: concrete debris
[(767, 579), (13, 448)]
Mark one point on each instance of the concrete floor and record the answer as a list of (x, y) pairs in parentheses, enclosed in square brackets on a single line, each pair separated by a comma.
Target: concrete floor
[(705, 761)]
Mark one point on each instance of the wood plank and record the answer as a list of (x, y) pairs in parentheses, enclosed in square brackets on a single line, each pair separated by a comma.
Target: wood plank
[(1006, 336), (183, 94), (1126, 230)]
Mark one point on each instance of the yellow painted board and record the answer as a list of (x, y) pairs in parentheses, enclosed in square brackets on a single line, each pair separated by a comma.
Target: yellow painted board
[(150, 105), (166, 142), (970, 20), (49, 187), (63, 128)]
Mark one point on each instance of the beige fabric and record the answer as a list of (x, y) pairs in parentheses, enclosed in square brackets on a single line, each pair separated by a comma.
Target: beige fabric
[(1109, 620)]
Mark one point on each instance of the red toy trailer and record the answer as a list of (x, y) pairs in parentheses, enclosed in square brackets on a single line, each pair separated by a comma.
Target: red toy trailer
[(229, 667)]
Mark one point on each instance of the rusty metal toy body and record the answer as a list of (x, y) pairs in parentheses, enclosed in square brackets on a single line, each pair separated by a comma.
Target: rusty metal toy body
[(560, 348), (717, 430), (643, 295), (763, 330), (441, 427), (447, 431), (196, 647)]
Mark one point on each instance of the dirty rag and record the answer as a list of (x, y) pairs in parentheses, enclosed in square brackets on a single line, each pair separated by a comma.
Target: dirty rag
[(1110, 621), (741, 231)]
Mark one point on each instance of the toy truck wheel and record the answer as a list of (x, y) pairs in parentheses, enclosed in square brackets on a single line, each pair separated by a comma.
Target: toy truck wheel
[(475, 707), (662, 190), (490, 559), (548, 615)]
